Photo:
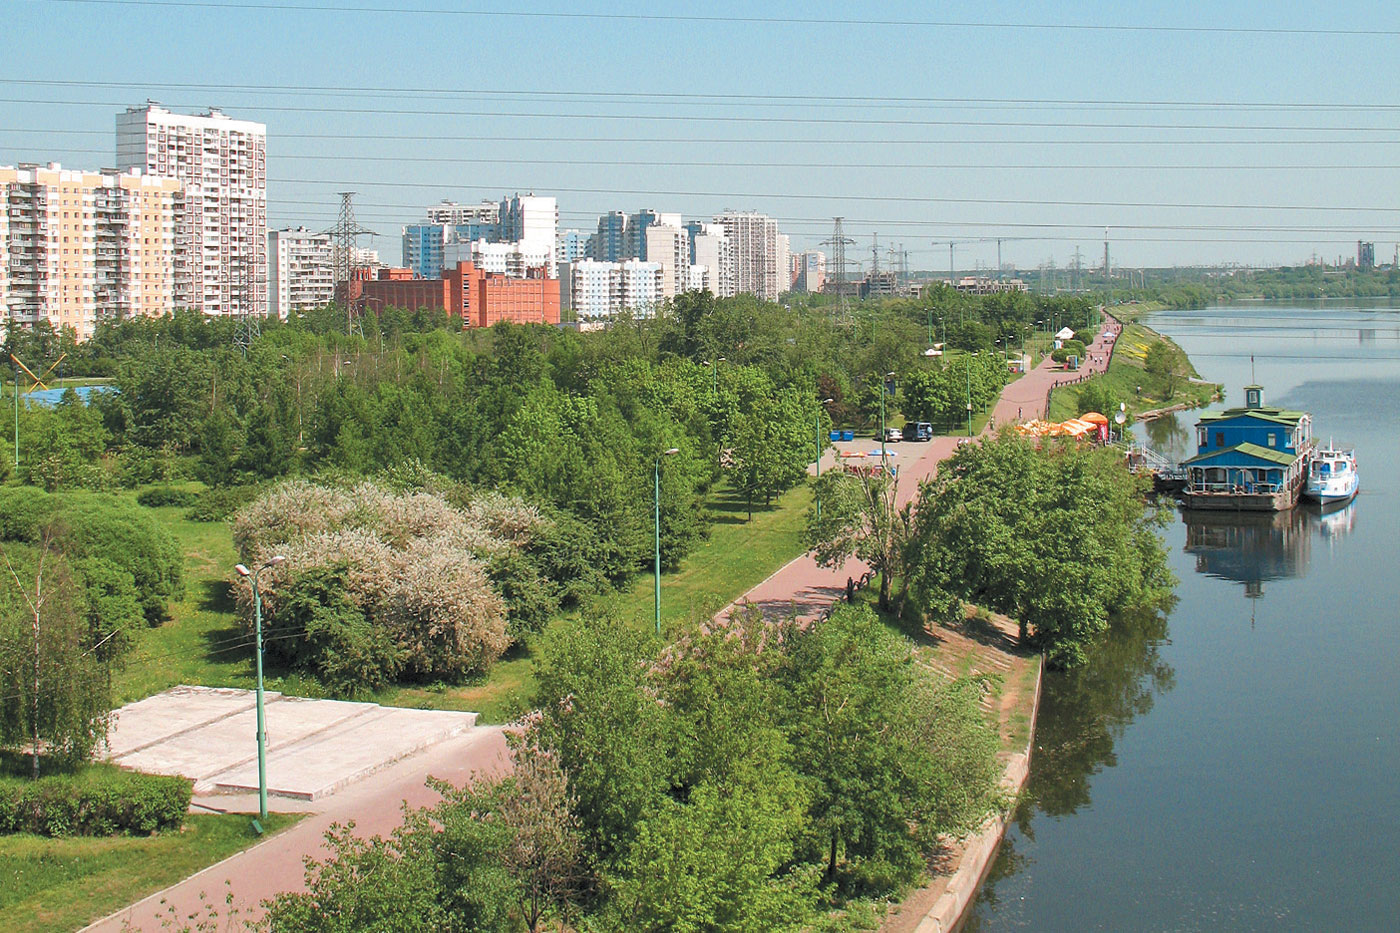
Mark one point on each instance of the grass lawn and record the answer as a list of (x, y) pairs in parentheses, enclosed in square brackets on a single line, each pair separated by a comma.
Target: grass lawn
[(1125, 374), (64, 884), (738, 555), (203, 643)]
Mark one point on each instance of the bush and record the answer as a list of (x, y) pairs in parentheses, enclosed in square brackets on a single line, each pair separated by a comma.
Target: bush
[(94, 803), (161, 496), (96, 526), (220, 504)]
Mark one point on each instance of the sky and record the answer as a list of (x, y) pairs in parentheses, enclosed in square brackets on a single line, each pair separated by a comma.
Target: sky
[(1197, 133)]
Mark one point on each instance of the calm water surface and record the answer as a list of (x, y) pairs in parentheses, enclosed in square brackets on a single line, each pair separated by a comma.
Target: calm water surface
[(1236, 766)]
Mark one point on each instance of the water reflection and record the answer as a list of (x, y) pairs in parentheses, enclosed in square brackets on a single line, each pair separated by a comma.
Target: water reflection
[(1254, 548)]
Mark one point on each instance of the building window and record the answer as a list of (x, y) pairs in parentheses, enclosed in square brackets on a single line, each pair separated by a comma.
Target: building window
[(1273, 439)]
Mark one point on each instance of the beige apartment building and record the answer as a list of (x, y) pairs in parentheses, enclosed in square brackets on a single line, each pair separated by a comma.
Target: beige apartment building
[(80, 247)]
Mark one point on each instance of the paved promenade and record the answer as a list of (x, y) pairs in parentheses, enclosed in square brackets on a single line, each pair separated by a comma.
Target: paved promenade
[(374, 803), (807, 590)]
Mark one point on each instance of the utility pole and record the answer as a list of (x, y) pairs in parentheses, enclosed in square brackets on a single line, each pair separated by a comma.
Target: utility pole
[(998, 259), (249, 323), (1106, 275)]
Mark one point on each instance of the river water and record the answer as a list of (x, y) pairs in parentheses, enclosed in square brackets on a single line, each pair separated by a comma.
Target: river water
[(1236, 765)]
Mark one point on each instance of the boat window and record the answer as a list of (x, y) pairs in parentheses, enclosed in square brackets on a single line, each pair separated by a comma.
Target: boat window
[(1273, 439), (1219, 438)]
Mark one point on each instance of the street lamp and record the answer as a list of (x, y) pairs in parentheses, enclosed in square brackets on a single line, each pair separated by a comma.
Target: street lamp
[(670, 452), (969, 392), (262, 729), (886, 386), (818, 437), (930, 325)]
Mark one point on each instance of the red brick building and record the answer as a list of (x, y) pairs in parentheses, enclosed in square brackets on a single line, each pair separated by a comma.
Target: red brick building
[(478, 297)]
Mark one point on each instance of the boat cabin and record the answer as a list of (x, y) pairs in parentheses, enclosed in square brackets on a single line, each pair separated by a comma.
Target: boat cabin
[(1256, 450)]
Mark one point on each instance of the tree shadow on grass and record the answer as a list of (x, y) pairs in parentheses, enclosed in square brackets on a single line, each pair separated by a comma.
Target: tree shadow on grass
[(216, 596)]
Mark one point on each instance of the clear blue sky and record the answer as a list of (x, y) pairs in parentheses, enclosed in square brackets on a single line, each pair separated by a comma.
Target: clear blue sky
[(989, 127)]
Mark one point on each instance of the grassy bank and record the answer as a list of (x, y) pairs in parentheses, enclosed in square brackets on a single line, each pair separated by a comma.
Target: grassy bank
[(64, 884), (204, 644), (1129, 382)]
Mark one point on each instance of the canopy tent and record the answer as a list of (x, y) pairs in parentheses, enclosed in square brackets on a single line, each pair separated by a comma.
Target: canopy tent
[(1065, 333)]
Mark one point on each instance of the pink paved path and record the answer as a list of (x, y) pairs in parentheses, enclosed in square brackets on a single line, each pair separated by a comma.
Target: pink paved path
[(374, 804), (803, 588)]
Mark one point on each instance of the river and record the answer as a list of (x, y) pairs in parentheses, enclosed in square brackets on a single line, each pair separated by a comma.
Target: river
[(1236, 764)]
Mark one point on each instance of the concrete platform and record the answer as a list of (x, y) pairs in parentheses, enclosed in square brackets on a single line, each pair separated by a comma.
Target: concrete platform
[(315, 747)]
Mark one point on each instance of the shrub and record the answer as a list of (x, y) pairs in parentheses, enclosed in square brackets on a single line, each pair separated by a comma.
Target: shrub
[(220, 504), (160, 496), (92, 525), (93, 803)]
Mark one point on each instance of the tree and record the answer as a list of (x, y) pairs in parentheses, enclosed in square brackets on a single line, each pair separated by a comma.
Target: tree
[(1164, 363), (543, 853), (770, 446), (1058, 537), (859, 518), (53, 689)]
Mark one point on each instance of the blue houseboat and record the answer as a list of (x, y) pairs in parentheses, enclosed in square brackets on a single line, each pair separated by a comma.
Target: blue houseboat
[(1253, 458)]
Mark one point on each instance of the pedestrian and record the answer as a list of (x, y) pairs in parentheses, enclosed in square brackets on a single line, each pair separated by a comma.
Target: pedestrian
[(1018, 414), (850, 590)]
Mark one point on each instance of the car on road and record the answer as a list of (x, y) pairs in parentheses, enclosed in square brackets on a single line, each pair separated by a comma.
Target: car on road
[(892, 435)]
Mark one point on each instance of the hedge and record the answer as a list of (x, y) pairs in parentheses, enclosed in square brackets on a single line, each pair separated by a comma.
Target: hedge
[(158, 496), (94, 803)]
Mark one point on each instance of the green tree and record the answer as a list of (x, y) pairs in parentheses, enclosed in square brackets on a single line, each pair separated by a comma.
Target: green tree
[(859, 518), (1163, 362), (54, 691)]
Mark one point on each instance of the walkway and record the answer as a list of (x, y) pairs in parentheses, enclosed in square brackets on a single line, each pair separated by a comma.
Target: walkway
[(803, 588)]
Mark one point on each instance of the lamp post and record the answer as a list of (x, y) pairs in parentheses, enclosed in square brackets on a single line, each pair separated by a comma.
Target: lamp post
[(262, 729), (884, 386), (930, 325), (657, 566), (16, 414), (969, 393), (817, 435)]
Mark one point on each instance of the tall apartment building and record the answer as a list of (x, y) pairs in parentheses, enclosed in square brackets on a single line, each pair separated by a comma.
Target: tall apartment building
[(602, 289), (811, 271), (1365, 254), (300, 271), (709, 247), (450, 213), (516, 260), (81, 247), (756, 252), (573, 245), (424, 243), (221, 232), (669, 247), (528, 219)]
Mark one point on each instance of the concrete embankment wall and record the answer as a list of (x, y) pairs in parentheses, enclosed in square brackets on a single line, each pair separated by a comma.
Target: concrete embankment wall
[(952, 906)]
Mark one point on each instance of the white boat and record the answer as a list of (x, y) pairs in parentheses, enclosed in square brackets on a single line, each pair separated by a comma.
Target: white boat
[(1332, 475)]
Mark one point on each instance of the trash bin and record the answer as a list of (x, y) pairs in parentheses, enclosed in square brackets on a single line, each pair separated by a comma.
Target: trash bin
[(835, 435), (848, 435)]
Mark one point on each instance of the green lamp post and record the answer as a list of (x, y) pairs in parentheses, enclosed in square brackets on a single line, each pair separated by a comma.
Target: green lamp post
[(656, 475), (262, 728)]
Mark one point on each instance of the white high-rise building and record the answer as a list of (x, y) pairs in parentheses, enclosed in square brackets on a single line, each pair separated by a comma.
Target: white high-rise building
[(300, 271), (221, 233), (509, 259), (602, 289), (595, 288), (528, 219), (784, 263), (669, 246), (713, 250), (756, 247), (453, 214)]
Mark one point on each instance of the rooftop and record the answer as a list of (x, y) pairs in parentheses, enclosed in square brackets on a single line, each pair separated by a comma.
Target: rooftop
[(1252, 450)]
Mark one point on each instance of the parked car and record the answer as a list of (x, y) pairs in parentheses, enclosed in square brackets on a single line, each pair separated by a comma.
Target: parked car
[(893, 434), (920, 431)]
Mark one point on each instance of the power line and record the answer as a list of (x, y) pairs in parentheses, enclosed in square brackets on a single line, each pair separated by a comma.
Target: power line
[(669, 97), (712, 163), (807, 140), (904, 198), (784, 22), (693, 118)]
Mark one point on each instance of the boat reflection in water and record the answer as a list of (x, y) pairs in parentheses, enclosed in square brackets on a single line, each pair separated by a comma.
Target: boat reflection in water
[(1254, 548)]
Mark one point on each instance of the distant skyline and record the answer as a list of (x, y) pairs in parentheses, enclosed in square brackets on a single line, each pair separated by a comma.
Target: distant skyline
[(1197, 133)]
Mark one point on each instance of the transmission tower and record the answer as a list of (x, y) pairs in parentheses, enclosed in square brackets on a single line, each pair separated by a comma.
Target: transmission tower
[(838, 243), (343, 237), (249, 321)]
